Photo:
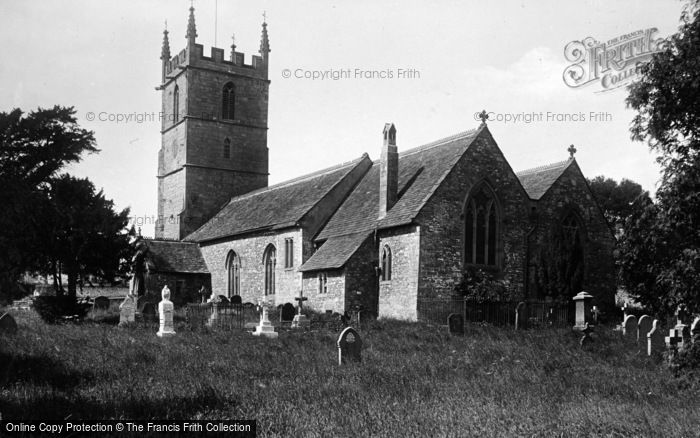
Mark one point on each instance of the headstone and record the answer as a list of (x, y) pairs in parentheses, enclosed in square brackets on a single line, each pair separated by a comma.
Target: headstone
[(643, 328), (695, 330), (102, 303), (455, 323), (127, 311), (148, 311), (8, 325), (166, 310), (287, 312), (224, 299), (349, 346), (655, 338), (520, 316), (236, 299), (629, 328), (583, 302), (300, 320), (586, 338), (595, 313), (265, 328)]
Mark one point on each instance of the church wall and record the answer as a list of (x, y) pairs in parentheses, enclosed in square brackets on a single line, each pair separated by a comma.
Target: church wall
[(442, 222), (170, 204), (571, 192), (252, 272), (361, 275), (397, 297), (334, 299)]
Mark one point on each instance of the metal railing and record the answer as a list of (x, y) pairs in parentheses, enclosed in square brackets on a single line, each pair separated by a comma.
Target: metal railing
[(498, 313)]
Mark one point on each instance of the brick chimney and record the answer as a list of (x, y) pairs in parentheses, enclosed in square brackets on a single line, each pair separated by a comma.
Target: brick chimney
[(388, 171)]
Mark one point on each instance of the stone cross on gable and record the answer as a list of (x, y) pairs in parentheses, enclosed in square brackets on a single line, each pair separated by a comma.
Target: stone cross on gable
[(301, 298), (572, 151), (484, 116)]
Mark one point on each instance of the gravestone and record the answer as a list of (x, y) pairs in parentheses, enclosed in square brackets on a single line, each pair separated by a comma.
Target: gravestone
[(166, 310), (655, 338), (127, 311), (643, 328), (102, 303), (629, 328), (224, 299), (679, 336), (8, 325), (236, 299), (300, 320), (695, 330), (349, 346), (520, 316), (582, 302), (595, 313), (455, 324), (265, 328), (287, 312), (148, 310)]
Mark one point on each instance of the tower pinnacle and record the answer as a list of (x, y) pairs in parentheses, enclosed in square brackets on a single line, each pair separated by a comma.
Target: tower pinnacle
[(165, 51), (191, 27), (233, 48), (264, 41)]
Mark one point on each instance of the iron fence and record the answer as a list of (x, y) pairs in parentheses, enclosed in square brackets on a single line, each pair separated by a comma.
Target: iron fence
[(225, 316), (499, 313)]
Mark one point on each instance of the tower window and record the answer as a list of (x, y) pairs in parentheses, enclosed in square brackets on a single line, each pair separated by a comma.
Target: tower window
[(386, 263), (481, 228), (288, 252), (176, 104), (270, 260), (228, 101), (227, 148)]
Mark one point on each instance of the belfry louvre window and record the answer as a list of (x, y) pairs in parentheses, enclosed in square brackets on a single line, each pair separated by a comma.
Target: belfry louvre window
[(228, 101), (176, 104), (481, 228)]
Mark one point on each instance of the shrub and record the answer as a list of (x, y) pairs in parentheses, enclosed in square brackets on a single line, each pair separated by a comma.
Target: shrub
[(685, 365), (481, 286), (53, 309)]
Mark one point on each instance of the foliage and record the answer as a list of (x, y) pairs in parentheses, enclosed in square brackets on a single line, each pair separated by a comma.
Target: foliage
[(685, 365), (481, 286), (660, 253), (414, 379), (617, 200), (53, 309), (559, 272)]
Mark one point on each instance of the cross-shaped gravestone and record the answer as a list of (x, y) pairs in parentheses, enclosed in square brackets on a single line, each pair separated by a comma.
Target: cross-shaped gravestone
[(596, 313), (300, 320), (484, 116), (301, 298)]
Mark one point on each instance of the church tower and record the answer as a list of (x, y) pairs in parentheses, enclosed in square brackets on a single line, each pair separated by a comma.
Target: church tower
[(213, 132)]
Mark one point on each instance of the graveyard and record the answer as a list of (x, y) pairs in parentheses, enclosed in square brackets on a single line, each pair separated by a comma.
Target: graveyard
[(412, 378)]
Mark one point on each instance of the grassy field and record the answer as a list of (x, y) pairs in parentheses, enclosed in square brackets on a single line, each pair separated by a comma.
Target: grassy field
[(414, 380)]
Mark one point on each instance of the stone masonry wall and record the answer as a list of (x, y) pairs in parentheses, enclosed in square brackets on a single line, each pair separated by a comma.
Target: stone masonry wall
[(397, 297), (333, 300)]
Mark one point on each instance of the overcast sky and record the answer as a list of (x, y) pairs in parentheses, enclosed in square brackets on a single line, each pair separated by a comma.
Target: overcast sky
[(506, 57)]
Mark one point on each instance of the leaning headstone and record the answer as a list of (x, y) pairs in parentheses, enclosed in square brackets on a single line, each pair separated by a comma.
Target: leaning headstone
[(287, 312), (236, 299), (102, 303), (643, 327), (127, 310), (629, 328), (166, 310), (349, 346), (655, 338), (8, 325), (455, 323)]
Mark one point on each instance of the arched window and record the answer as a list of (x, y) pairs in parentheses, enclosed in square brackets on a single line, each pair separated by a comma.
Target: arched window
[(233, 267), (386, 263), (176, 104), (227, 148), (571, 254), (228, 103), (322, 283), (270, 260), (481, 228)]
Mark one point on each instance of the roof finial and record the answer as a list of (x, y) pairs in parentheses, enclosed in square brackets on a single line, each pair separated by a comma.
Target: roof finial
[(191, 27), (484, 116), (233, 47), (264, 17), (572, 151)]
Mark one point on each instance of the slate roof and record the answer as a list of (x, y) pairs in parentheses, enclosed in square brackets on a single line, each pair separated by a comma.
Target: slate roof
[(421, 171), (538, 180), (175, 256), (278, 206)]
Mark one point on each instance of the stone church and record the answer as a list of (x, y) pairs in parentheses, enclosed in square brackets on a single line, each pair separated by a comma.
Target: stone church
[(383, 233)]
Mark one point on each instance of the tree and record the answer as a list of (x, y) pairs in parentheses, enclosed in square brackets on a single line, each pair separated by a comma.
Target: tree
[(33, 148), (660, 252), (617, 200), (85, 236)]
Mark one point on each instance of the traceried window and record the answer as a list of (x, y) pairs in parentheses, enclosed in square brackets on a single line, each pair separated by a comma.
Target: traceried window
[(288, 252), (386, 263), (481, 228), (322, 283), (176, 104), (270, 260), (233, 267), (228, 103), (227, 148)]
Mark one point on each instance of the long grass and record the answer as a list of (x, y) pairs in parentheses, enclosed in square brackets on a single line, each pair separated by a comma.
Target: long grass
[(414, 379)]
